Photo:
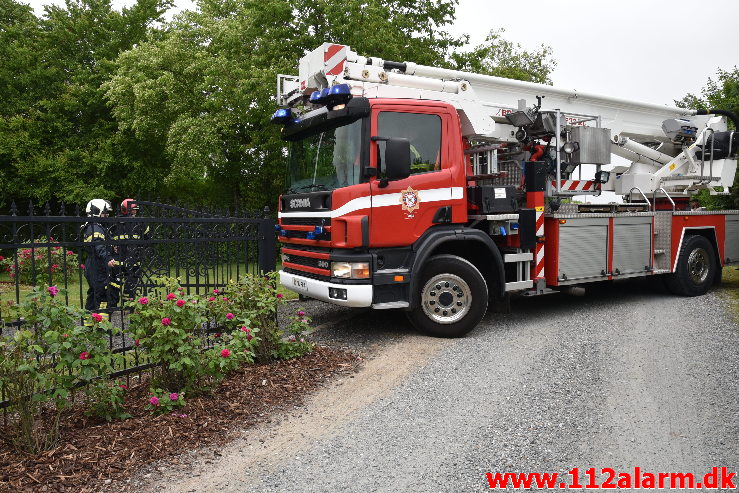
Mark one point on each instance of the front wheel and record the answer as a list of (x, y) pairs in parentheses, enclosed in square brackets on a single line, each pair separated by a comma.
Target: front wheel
[(452, 299), (696, 268)]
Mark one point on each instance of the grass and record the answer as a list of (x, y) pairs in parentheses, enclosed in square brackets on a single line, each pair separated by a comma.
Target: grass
[(730, 286)]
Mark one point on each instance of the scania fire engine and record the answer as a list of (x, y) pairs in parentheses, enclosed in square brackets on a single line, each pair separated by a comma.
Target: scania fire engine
[(439, 192)]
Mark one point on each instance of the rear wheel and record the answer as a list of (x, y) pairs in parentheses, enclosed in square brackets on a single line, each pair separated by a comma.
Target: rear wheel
[(452, 297), (696, 268)]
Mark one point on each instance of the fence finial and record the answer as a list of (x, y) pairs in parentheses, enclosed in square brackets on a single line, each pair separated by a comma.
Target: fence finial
[(47, 209), (30, 208), (13, 209)]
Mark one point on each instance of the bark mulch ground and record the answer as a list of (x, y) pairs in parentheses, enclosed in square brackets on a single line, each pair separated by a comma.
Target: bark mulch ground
[(90, 452)]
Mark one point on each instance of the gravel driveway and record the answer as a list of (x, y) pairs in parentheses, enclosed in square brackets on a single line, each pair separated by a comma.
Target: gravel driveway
[(626, 376)]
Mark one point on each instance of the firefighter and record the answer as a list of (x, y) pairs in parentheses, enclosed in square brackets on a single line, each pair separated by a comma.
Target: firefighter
[(127, 274), (99, 255)]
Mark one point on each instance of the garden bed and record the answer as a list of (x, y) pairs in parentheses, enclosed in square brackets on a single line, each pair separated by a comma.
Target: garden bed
[(93, 453)]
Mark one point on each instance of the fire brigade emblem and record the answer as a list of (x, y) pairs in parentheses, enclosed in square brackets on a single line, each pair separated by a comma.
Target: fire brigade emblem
[(409, 201)]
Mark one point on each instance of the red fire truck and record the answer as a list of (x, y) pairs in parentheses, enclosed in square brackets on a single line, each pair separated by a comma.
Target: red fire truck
[(438, 192)]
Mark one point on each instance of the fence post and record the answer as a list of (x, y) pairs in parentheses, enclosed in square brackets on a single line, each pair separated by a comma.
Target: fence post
[(266, 244)]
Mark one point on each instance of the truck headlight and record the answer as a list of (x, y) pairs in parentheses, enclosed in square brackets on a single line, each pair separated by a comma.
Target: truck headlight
[(350, 270)]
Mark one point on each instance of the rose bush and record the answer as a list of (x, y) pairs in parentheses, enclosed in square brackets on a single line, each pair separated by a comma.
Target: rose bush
[(44, 260), (49, 357)]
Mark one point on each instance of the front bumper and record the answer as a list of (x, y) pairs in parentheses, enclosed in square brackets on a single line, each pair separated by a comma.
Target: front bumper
[(357, 295)]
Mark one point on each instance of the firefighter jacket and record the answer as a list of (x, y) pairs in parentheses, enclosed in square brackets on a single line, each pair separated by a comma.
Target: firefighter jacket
[(97, 245), (129, 253)]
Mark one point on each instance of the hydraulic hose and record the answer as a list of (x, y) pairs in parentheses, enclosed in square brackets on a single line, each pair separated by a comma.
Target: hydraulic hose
[(729, 114)]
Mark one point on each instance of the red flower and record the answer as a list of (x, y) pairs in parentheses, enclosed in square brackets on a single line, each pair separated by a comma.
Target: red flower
[(84, 355), (245, 329), (53, 291), (171, 296), (65, 335), (166, 321), (123, 386), (211, 299), (180, 289), (180, 303), (136, 343), (225, 353), (216, 291), (70, 252), (54, 266), (229, 316), (144, 300), (2, 258), (225, 298), (249, 337), (279, 295), (82, 266), (217, 334), (97, 317)]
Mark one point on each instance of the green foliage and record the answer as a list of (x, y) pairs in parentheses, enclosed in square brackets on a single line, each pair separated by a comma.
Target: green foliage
[(105, 400), (502, 58), (46, 360), (57, 136), (721, 93)]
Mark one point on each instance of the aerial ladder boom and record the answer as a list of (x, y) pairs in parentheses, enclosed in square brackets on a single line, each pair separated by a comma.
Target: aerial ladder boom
[(664, 143)]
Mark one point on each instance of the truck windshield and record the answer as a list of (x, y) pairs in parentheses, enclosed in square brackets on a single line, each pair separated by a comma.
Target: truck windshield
[(326, 160)]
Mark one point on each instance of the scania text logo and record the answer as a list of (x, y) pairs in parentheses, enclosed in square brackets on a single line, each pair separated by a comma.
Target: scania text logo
[(298, 203)]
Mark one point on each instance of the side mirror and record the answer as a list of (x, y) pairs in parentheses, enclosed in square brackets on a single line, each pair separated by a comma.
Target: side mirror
[(397, 158)]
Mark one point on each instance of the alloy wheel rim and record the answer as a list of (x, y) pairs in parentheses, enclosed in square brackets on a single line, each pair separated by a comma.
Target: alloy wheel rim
[(446, 298), (698, 265)]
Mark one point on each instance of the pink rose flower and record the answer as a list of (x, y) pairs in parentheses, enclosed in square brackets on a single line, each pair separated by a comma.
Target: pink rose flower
[(245, 329), (84, 355), (65, 335), (194, 302), (136, 343), (229, 316), (144, 300), (123, 386), (70, 252), (249, 337), (180, 303), (216, 291), (2, 258), (225, 298), (225, 353), (171, 296), (174, 396), (154, 401), (217, 334), (82, 266), (301, 313), (180, 289), (53, 290), (279, 295), (166, 321), (97, 317), (211, 299)]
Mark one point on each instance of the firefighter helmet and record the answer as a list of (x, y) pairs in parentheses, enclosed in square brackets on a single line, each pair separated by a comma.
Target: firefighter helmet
[(96, 207), (128, 205)]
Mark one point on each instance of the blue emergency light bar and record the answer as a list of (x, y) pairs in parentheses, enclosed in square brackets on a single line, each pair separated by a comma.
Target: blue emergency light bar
[(331, 96), (282, 115)]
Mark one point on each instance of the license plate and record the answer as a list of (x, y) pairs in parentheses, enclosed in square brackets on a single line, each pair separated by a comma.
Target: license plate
[(300, 284)]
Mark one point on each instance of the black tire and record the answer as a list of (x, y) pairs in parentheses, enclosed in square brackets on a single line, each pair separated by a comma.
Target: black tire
[(696, 268), (451, 298)]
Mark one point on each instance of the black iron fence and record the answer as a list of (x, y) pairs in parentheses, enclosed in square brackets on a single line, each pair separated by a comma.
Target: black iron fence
[(204, 249)]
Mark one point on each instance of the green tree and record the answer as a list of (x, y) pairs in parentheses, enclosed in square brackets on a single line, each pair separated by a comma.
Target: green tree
[(204, 91), (500, 57), (57, 136), (720, 93)]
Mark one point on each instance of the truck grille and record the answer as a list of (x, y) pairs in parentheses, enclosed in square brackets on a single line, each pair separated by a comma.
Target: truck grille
[(306, 221), (315, 266)]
